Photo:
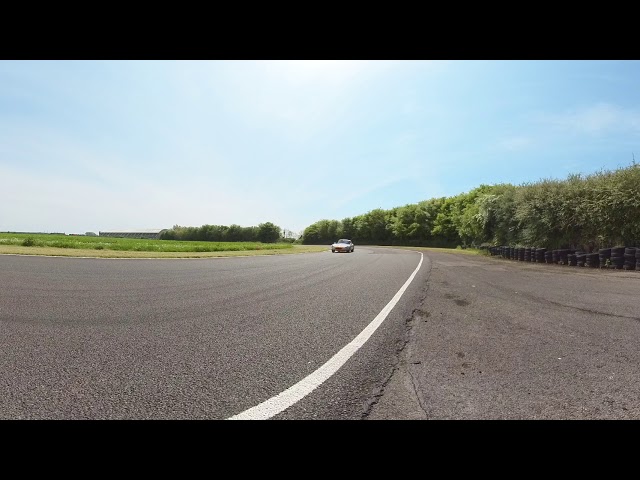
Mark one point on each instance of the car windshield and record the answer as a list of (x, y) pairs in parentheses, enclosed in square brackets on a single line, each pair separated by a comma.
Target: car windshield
[(342, 240)]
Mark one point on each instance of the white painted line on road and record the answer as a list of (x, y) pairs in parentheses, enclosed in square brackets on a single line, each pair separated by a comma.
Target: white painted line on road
[(304, 387)]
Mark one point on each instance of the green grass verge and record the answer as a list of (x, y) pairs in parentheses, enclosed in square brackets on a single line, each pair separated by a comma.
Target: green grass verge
[(79, 252), (131, 244), (108, 247)]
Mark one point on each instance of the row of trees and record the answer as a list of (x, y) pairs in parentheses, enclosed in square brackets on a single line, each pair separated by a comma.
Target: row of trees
[(264, 232), (586, 212)]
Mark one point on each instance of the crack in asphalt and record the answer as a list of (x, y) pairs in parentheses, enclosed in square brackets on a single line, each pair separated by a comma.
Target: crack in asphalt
[(409, 324), (588, 310), (416, 391), (564, 305)]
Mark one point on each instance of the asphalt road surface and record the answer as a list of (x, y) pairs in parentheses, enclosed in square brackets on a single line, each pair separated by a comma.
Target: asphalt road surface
[(469, 338), (197, 338), (502, 339)]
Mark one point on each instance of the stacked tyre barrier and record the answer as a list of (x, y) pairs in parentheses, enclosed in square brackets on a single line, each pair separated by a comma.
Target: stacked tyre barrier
[(629, 258), (592, 260), (618, 257), (562, 256)]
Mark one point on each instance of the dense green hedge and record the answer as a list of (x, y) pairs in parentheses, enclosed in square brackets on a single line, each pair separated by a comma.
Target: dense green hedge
[(265, 232), (583, 211)]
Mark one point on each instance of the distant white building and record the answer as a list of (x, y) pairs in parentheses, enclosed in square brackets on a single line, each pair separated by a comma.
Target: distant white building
[(148, 233)]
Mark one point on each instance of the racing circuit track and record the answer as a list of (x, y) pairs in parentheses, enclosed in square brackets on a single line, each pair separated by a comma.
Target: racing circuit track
[(461, 337)]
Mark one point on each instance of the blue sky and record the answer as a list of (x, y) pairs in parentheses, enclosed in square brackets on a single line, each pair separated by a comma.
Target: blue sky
[(103, 145)]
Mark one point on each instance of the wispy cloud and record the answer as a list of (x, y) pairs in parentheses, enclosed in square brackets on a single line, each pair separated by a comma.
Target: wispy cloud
[(40, 201), (365, 189), (301, 99), (596, 119), (60, 183), (111, 144), (323, 73), (515, 143)]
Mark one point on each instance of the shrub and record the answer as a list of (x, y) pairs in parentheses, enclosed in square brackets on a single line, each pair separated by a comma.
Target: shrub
[(28, 242)]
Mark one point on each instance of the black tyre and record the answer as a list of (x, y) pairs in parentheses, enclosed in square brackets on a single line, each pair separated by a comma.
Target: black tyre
[(592, 260), (617, 251), (562, 256)]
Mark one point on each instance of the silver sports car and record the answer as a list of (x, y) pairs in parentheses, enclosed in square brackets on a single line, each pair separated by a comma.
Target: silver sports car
[(342, 245)]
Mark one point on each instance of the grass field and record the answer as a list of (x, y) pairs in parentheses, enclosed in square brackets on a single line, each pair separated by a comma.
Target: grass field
[(42, 244), (109, 247), (78, 252)]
